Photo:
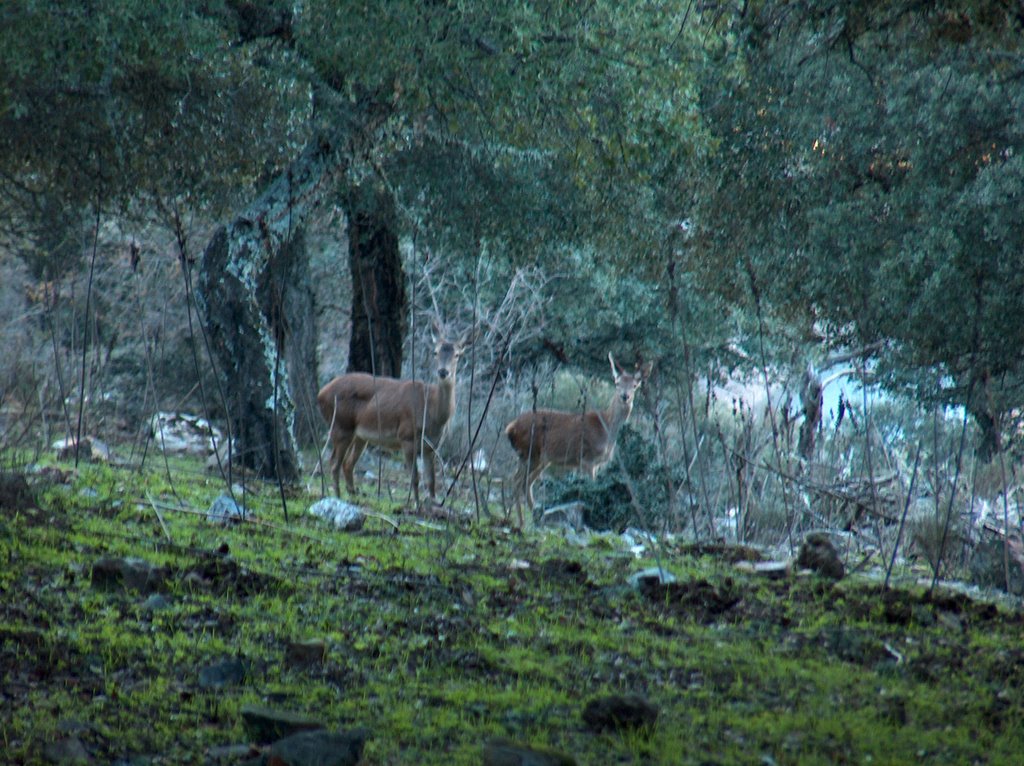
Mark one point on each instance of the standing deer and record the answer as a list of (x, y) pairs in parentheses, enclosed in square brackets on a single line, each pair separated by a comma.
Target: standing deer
[(409, 415), (569, 441)]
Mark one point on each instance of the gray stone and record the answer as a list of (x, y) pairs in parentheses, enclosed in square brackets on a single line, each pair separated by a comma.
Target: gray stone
[(619, 711), (127, 573), (503, 753), (318, 748), (345, 516), (225, 510), (66, 751), (228, 673), (265, 725), (568, 516), (657, 574)]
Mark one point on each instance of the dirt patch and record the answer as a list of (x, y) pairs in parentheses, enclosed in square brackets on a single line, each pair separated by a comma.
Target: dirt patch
[(700, 600)]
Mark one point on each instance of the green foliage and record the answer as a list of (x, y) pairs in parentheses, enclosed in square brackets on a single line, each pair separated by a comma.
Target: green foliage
[(869, 189), (110, 104)]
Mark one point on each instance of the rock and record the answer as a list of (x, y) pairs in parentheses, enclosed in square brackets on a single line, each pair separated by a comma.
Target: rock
[(345, 516), (617, 712), (224, 510), (228, 753), (568, 516), (89, 450), (654, 574), (127, 573), (304, 653), (819, 555), (157, 602), (318, 748), (182, 433), (998, 562), (15, 493), (503, 753), (637, 541), (66, 751), (265, 725), (227, 673), (772, 570)]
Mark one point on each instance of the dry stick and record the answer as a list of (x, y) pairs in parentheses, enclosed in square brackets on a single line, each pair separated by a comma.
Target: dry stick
[(867, 443), (755, 293), (952, 496), (480, 423), (152, 504), (903, 518), (697, 438), (1006, 521), (85, 334), (186, 273)]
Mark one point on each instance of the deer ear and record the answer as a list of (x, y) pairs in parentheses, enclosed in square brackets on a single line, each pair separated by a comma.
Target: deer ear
[(468, 338), (436, 330), (645, 370)]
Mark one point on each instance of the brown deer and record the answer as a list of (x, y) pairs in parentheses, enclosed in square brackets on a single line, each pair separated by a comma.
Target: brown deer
[(406, 415), (570, 441)]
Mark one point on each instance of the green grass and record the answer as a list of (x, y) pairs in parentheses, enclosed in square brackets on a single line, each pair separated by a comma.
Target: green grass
[(439, 640)]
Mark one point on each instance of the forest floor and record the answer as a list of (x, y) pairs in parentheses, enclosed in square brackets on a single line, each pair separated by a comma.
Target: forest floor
[(440, 637)]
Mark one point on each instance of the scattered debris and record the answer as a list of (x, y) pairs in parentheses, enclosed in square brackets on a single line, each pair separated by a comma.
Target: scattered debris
[(183, 434)]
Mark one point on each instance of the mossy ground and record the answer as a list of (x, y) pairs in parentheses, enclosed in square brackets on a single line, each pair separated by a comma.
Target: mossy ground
[(440, 638)]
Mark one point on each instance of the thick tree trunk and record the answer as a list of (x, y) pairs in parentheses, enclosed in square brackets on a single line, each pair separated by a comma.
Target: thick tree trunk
[(247, 342), (241, 304), (379, 302), (288, 302)]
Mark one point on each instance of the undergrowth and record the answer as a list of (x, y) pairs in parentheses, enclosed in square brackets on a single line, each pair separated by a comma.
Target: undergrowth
[(443, 636)]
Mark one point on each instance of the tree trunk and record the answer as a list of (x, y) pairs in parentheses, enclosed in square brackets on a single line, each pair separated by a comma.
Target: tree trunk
[(288, 301), (379, 301), (238, 298)]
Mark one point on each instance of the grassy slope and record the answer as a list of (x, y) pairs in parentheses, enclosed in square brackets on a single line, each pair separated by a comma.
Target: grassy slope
[(439, 641)]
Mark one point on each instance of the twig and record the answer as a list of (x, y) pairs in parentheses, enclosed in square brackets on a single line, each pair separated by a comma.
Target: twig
[(152, 504)]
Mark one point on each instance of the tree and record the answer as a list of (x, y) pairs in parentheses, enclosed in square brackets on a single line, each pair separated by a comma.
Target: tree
[(580, 122), (870, 178), (591, 93), (379, 302)]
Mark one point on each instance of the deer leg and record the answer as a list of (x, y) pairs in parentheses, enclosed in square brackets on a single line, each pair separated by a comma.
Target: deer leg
[(340, 442), (348, 464), (518, 488), (531, 479), (409, 450), (428, 464)]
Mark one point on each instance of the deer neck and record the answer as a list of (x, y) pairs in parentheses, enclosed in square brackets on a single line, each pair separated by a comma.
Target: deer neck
[(616, 414), (442, 400)]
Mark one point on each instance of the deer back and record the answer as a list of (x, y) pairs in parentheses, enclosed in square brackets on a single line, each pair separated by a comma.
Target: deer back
[(562, 439)]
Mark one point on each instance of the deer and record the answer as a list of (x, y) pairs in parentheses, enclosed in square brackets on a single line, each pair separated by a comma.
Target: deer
[(570, 441), (394, 414)]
